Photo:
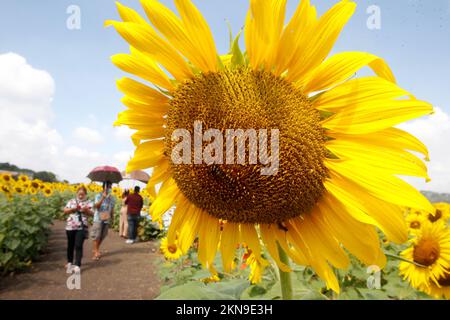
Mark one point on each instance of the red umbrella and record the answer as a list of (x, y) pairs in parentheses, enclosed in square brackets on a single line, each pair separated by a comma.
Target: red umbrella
[(104, 174)]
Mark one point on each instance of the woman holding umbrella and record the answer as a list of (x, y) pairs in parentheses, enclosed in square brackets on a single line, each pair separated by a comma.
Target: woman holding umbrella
[(103, 205), (103, 216)]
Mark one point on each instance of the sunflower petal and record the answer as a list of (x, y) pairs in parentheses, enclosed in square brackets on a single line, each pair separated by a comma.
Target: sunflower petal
[(380, 184), (147, 155), (391, 138), (263, 28), (145, 39), (198, 31), (341, 67), (358, 91), (325, 35), (390, 160), (173, 29), (228, 244), (295, 35), (376, 115), (208, 240)]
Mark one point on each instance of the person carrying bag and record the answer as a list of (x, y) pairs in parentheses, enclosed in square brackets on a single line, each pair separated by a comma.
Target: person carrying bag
[(103, 217), (77, 228)]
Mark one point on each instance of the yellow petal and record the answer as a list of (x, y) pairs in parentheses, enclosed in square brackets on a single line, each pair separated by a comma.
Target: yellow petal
[(318, 238), (140, 92), (390, 160), (270, 241), (177, 219), (198, 31), (380, 184), (189, 227), (175, 32), (208, 240), (295, 35), (376, 115), (263, 28), (228, 244), (250, 237), (161, 172), (144, 67), (165, 200), (151, 105), (358, 238), (341, 67), (316, 261), (147, 155), (149, 133), (391, 138), (358, 91), (322, 41), (145, 39), (129, 15)]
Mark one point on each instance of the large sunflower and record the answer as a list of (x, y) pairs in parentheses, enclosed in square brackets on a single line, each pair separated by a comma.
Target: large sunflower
[(339, 153)]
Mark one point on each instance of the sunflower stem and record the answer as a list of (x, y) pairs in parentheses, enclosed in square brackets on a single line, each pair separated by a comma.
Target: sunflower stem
[(403, 259), (285, 277)]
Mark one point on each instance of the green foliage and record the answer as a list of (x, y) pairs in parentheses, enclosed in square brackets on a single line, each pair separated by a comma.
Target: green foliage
[(24, 228), (181, 280)]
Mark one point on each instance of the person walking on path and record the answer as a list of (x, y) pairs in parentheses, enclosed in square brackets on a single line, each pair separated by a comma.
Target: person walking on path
[(135, 202), (77, 228), (104, 215), (123, 225)]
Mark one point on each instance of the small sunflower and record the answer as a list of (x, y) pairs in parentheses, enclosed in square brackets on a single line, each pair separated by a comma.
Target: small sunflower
[(23, 178), (6, 178), (439, 288), (441, 214), (170, 251), (18, 189), (47, 192), (431, 250), (340, 153), (5, 189), (414, 220), (35, 184)]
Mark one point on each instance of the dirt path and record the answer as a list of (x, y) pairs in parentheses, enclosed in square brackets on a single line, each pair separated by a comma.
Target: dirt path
[(126, 272)]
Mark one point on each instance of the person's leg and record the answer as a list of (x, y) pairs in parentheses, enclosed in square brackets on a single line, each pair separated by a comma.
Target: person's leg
[(70, 245), (130, 227), (96, 229), (79, 241), (125, 226), (135, 227), (121, 224), (104, 234)]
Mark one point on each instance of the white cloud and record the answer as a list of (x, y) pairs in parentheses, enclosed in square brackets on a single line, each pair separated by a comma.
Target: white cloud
[(434, 131), (27, 137), (88, 135), (25, 110), (123, 133)]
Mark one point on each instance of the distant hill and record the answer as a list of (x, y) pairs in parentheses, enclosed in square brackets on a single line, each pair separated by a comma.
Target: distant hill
[(41, 175), (434, 197)]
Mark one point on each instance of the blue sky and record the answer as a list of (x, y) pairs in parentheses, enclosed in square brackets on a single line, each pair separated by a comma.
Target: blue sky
[(414, 39)]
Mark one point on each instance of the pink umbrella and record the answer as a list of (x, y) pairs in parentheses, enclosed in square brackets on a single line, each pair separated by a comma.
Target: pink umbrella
[(136, 175), (104, 174)]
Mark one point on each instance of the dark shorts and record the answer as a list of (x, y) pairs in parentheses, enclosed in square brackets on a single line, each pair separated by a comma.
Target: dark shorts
[(99, 231)]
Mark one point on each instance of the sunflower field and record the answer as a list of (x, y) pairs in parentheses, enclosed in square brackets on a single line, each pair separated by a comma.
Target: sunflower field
[(28, 209), (413, 271)]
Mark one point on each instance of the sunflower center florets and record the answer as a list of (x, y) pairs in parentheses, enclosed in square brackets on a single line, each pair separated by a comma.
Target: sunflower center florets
[(172, 248), (252, 101), (426, 252), (436, 216)]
